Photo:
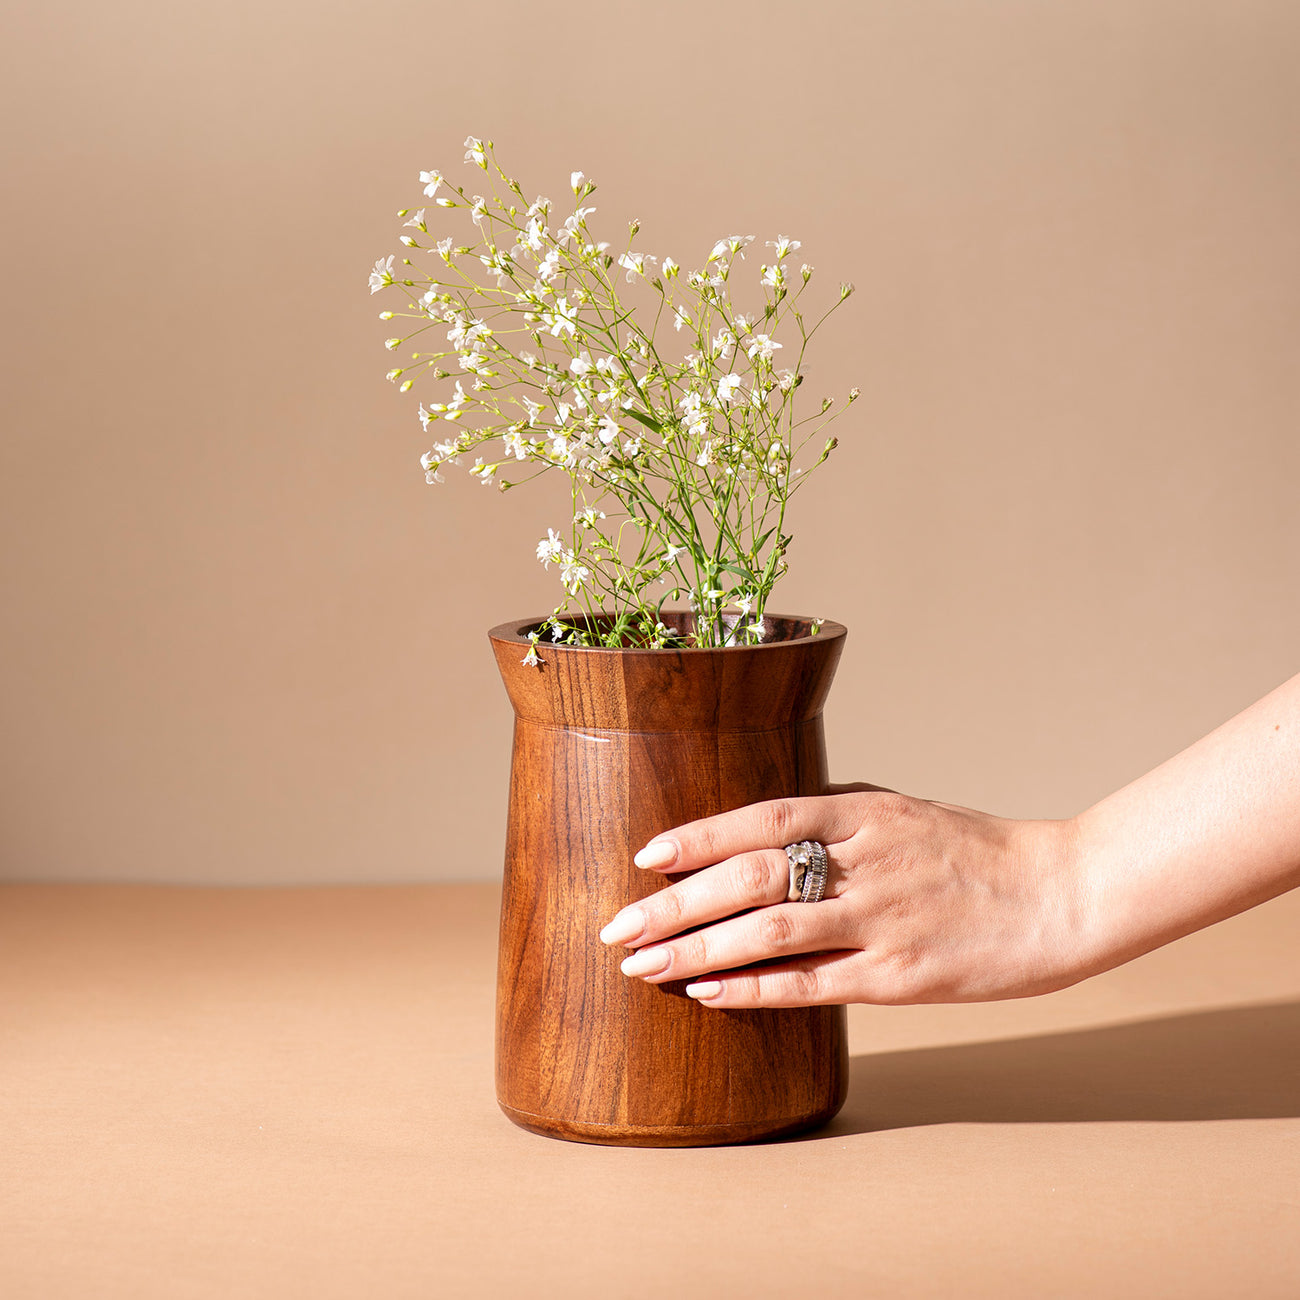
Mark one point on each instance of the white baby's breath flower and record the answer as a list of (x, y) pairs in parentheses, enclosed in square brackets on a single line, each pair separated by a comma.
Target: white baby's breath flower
[(572, 573), (550, 548), (733, 244), (382, 274), (443, 249), (724, 344), (417, 220), (607, 430), (561, 320), (580, 364), (670, 268), (474, 151), (726, 389), (451, 410), (784, 246), (479, 210), (773, 277), (533, 236), (429, 462), (532, 659), (576, 181), (572, 224), (547, 267), (636, 264), (764, 347), (430, 181)]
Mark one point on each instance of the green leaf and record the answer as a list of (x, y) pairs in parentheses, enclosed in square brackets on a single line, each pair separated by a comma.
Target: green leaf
[(646, 420)]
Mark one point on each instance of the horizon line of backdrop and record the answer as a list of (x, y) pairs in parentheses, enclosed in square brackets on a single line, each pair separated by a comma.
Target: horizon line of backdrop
[(245, 643)]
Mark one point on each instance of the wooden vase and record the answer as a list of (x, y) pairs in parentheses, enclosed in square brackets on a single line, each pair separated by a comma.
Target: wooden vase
[(612, 747)]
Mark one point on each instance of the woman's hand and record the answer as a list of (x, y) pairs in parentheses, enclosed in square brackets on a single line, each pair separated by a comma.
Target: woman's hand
[(925, 902)]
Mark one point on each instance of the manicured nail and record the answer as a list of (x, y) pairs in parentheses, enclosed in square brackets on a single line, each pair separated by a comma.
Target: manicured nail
[(658, 853), (629, 924), (649, 962), (708, 989)]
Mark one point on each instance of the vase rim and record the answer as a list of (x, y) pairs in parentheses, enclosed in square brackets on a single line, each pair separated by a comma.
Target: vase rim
[(516, 632)]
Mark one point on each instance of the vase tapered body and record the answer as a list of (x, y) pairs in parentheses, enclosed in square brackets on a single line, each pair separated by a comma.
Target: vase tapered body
[(612, 747)]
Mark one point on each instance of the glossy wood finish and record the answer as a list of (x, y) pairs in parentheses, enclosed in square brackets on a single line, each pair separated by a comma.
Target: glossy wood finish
[(611, 747)]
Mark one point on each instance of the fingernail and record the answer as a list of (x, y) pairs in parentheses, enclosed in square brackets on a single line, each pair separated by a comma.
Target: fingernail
[(658, 853), (708, 989), (650, 962), (627, 925)]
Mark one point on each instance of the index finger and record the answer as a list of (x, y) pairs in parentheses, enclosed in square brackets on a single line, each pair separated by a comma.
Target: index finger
[(769, 825)]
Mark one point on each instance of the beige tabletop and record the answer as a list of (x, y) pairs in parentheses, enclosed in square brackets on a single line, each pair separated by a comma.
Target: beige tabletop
[(267, 1093)]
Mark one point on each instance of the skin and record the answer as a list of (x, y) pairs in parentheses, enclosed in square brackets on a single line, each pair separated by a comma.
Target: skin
[(930, 902)]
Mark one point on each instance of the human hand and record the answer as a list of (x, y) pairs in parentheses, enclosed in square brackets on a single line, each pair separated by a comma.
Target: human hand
[(925, 902)]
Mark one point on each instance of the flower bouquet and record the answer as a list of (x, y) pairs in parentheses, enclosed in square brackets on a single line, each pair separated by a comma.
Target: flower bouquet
[(670, 408)]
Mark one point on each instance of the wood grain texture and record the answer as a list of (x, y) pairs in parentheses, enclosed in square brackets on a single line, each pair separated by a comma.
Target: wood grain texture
[(610, 748)]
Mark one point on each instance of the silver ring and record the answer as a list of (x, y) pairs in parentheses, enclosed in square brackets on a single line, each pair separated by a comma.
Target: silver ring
[(807, 871)]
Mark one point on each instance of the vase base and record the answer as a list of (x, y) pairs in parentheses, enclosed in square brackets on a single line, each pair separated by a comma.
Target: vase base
[(676, 1135)]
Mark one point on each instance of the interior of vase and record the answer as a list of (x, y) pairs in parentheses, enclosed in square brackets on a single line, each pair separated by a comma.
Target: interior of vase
[(776, 627)]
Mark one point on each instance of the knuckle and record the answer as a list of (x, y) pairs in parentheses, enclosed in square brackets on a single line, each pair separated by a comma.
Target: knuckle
[(665, 912), (753, 877), (889, 808), (778, 819), (694, 953), (703, 842), (802, 984), (900, 976), (776, 929)]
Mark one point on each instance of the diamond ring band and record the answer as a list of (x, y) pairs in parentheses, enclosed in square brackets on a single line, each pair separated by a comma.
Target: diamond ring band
[(808, 865)]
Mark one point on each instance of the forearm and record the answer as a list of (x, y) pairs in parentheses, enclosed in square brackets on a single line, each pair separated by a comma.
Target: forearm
[(1209, 833)]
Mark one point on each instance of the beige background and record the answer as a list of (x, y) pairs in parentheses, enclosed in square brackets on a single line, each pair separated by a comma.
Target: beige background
[(244, 642)]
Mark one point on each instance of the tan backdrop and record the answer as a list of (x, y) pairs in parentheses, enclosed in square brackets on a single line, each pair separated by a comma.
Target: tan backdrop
[(245, 642)]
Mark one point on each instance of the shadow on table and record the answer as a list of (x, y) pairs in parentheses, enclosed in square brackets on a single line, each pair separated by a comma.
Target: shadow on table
[(1237, 1063)]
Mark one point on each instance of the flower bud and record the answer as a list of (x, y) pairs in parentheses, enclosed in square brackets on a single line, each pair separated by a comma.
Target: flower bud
[(390, 344), (393, 374), (854, 394), (845, 290), (385, 315)]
